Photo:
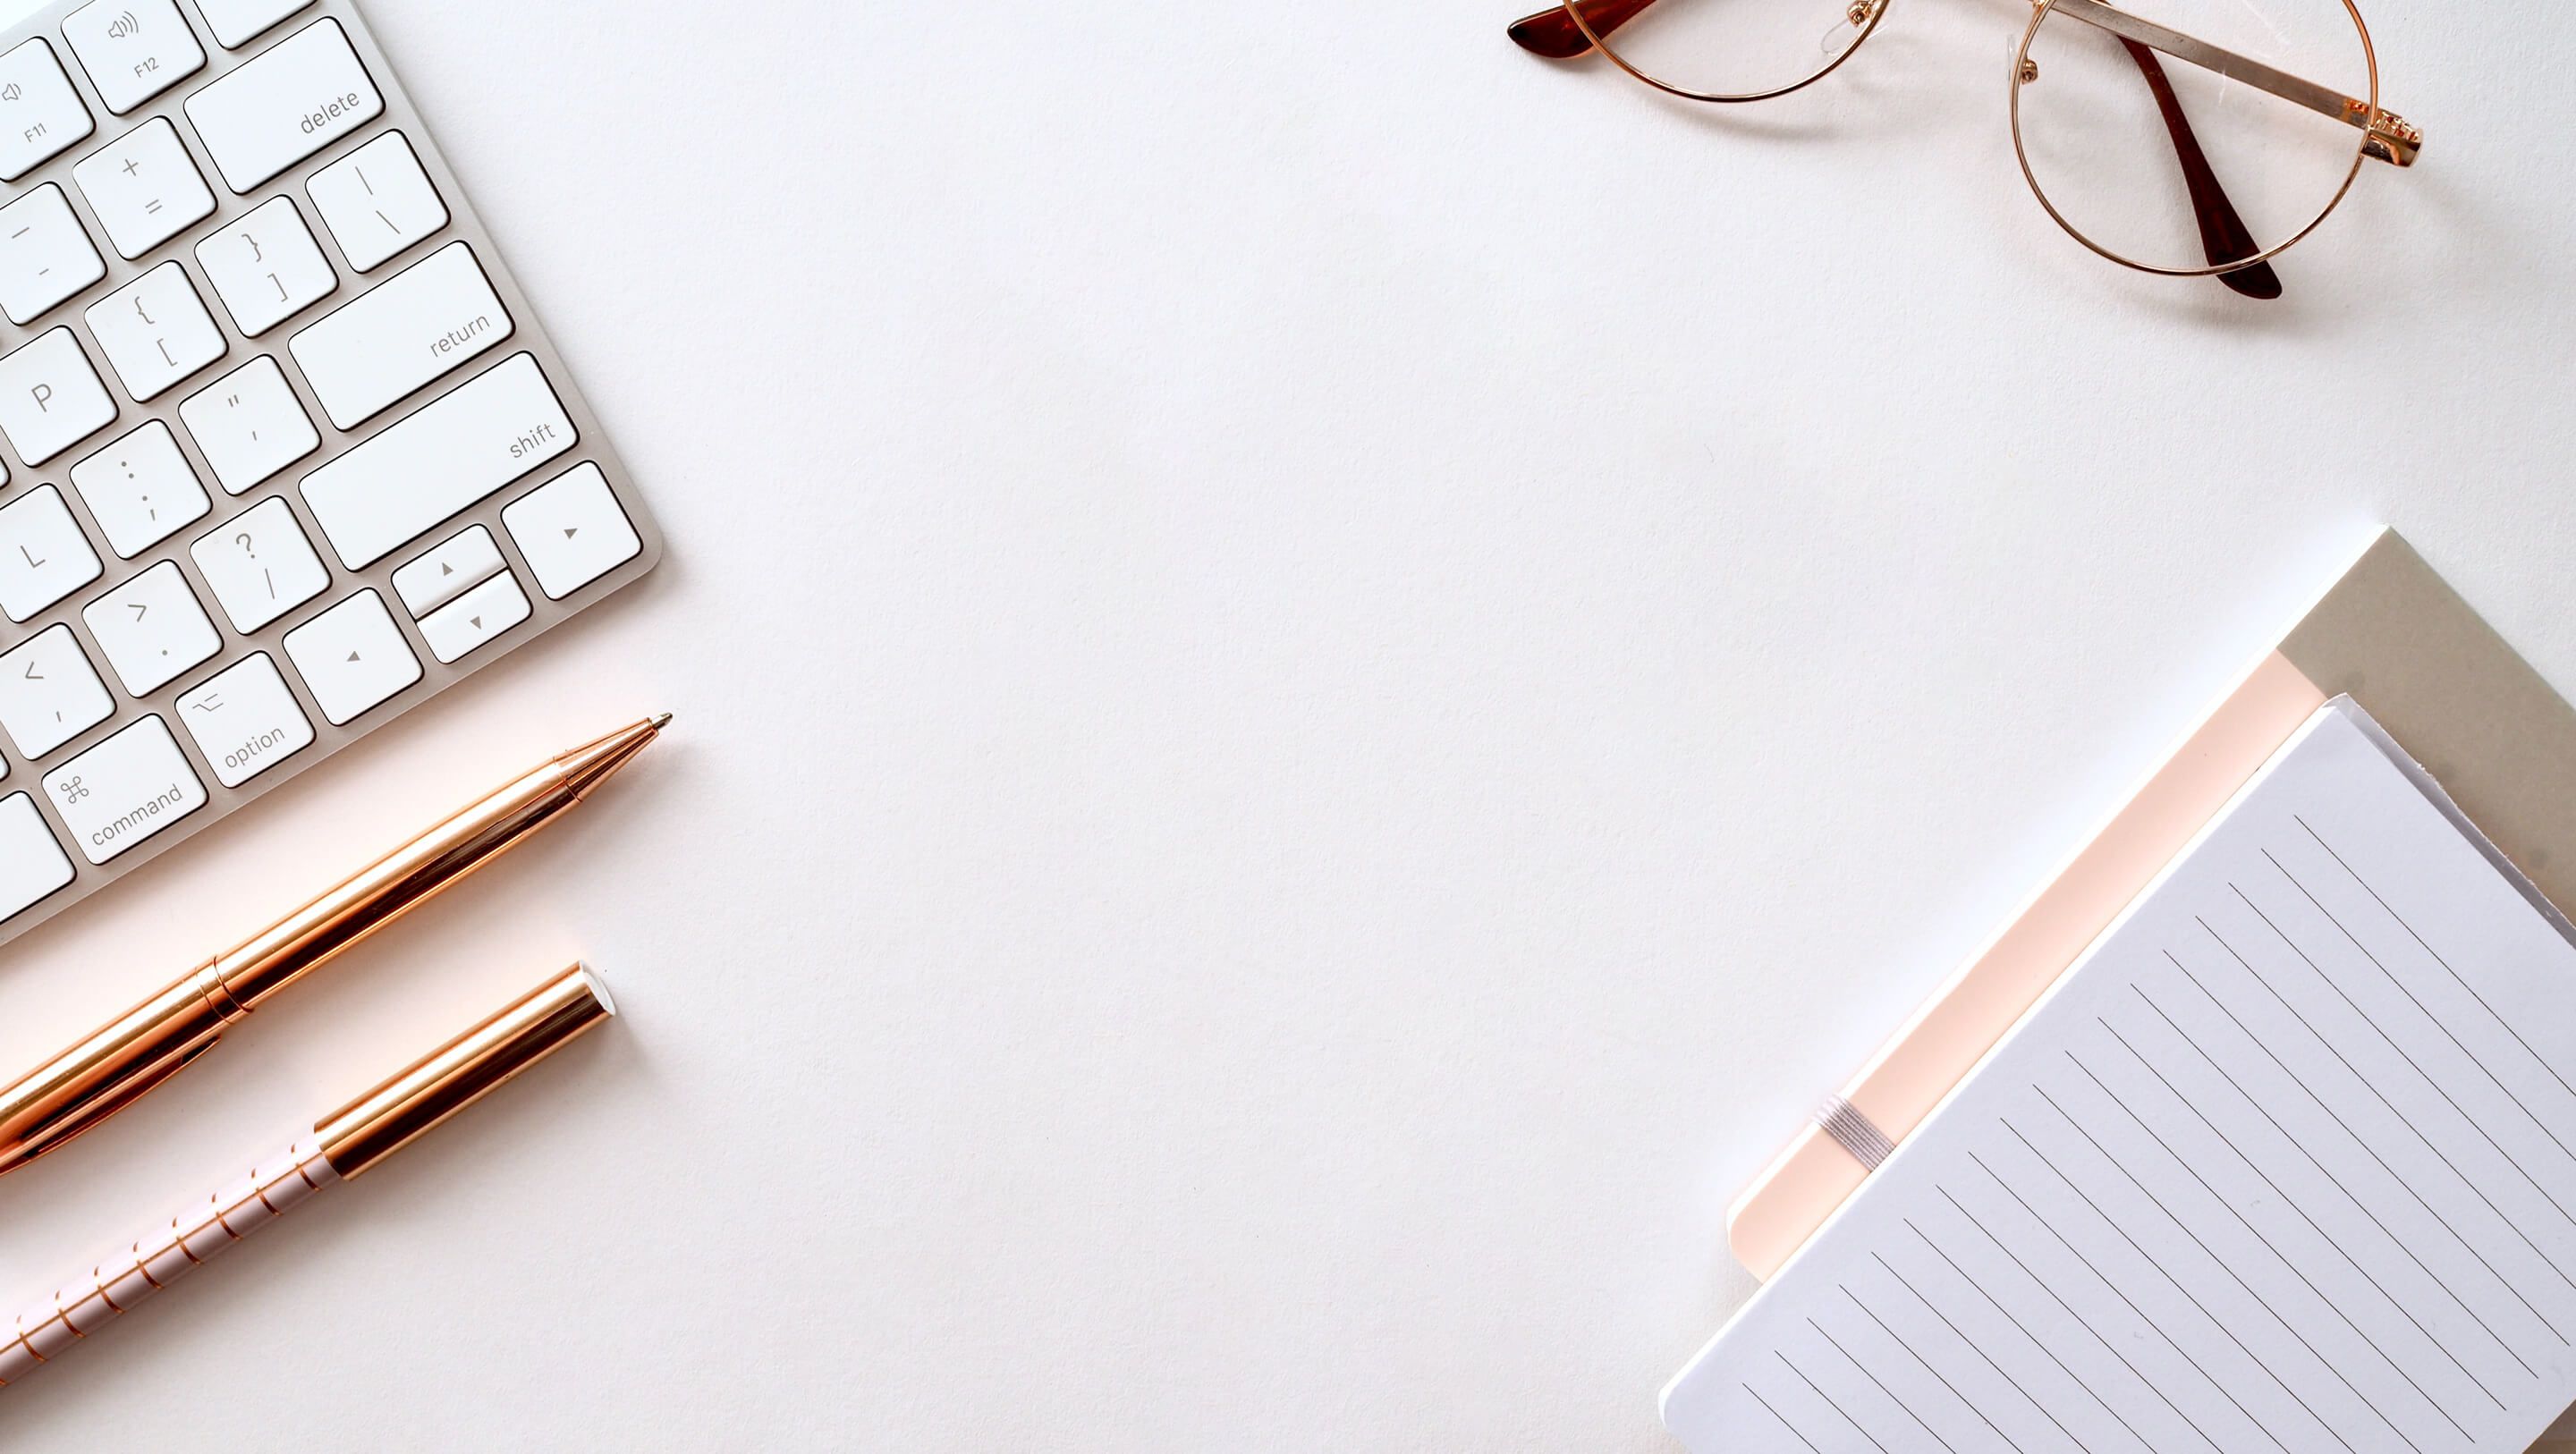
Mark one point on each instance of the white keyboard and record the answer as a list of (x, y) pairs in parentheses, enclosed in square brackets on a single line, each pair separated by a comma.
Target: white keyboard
[(286, 452)]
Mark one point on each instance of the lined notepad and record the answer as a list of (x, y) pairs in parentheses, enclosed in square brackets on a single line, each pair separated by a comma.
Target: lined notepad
[(2286, 1163)]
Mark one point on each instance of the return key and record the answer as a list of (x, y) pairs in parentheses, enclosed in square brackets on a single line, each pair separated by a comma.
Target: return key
[(401, 334)]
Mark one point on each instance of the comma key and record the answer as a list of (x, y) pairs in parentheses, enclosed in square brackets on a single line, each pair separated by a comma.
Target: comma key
[(118, 794)]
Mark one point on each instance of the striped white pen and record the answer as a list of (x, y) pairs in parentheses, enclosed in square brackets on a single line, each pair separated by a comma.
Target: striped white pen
[(339, 1147)]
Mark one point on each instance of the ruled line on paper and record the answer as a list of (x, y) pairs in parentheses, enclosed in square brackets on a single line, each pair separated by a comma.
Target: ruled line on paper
[(2122, 1294), (1899, 1340), (1783, 1418), (2287, 1200), (1892, 1395), (2259, 1235), (1830, 1403), (2421, 1008), (2081, 1321), (2438, 1088), (2175, 1282), (2500, 1021), (2402, 1119), (1979, 1349), (2211, 1253), (2072, 1376)]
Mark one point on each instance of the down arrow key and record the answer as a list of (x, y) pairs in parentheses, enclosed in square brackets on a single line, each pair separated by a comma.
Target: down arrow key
[(474, 619)]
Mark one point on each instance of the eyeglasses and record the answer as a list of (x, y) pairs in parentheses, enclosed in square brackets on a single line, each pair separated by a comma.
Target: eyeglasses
[(2124, 150)]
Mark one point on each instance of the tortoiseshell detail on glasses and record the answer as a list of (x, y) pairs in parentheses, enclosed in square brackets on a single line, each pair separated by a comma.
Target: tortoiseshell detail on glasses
[(1554, 34), (2223, 233), (1575, 28)]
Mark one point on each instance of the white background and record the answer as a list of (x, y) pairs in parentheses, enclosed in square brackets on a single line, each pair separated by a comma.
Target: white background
[(1324, 674)]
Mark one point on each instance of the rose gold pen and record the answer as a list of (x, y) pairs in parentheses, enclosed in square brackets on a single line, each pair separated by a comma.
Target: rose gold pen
[(148, 1044), (339, 1147)]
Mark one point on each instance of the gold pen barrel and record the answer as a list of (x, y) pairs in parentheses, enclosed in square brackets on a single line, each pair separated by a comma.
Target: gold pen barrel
[(462, 1071), (156, 1039), (383, 891), (371, 1128), (120, 1061)]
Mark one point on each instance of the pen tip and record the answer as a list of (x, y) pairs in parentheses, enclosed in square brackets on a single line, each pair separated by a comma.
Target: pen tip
[(662, 721)]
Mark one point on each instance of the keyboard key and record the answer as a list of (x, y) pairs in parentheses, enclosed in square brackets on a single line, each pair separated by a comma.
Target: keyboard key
[(260, 566), (452, 567), (156, 331), (249, 425), (468, 622), (455, 451), (140, 489), (40, 113), (143, 188), (572, 531), (121, 792), (408, 330), (266, 267), (236, 21), (32, 864), (49, 693), (377, 201), (43, 555), (152, 629), (133, 49), (45, 256), (245, 720), (50, 398), (353, 656), (290, 101)]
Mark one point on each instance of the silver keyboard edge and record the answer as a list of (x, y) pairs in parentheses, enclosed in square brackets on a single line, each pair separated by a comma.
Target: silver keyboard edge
[(531, 338)]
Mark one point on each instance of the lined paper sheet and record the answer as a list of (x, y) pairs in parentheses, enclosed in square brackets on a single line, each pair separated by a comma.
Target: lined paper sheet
[(2287, 1163)]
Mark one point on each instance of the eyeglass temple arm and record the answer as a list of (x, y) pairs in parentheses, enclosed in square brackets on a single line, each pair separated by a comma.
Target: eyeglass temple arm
[(2387, 136), (1554, 34), (2224, 237)]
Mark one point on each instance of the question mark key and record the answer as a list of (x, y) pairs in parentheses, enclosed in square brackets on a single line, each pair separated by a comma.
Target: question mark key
[(260, 564)]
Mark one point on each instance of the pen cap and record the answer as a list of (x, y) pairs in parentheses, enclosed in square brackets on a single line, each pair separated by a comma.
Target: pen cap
[(463, 1071)]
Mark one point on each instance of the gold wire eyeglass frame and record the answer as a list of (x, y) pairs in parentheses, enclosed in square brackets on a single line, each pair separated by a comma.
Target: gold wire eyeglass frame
[(2382, 135)]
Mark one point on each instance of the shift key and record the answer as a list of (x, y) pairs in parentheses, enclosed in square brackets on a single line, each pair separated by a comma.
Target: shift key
[(455, 451), (399, 335), (124, 790)]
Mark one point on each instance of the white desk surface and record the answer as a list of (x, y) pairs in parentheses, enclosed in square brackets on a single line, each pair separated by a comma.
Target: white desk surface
[(1324, 674)]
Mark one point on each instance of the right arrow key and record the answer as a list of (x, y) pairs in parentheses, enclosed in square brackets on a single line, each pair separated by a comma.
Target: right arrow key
[(572, 531)]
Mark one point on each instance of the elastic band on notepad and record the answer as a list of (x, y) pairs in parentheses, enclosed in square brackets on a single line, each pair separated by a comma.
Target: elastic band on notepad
[(1854, 1132)]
